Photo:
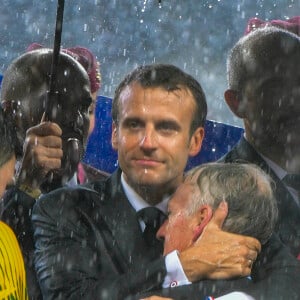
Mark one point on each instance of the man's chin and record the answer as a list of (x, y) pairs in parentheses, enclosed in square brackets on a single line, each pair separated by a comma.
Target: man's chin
[(148, 178)]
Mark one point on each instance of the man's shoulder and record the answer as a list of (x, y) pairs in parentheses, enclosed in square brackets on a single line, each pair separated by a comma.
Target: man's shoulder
[(15, 197), (242, 152), (66, 205), (275, 257), (16, 207), (81, 197), (71, 195)]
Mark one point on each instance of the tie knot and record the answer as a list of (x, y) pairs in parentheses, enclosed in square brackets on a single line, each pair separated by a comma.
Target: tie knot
[(292, 180), (151, 216)]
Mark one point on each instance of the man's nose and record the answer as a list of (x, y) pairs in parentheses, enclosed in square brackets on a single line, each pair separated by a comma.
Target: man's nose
[(160, 234), (149, 139)]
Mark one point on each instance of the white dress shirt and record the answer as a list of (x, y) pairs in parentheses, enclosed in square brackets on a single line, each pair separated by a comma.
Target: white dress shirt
[(175, 274)]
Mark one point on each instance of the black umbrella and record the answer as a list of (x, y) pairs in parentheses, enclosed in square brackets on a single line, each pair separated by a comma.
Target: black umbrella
[(52, 100), (74, 149)]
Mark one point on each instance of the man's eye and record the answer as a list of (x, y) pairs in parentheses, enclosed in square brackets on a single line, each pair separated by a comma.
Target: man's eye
[(168, 127), (133, 124)]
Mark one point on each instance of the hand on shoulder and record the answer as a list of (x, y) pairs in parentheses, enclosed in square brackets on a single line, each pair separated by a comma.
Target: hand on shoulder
[(218, 254)]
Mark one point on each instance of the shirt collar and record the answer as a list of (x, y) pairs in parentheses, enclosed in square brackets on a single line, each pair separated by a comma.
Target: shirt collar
[(276, 168), (280, 173)]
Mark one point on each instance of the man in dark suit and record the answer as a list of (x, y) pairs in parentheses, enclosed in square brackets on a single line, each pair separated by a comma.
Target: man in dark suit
[(252, 211), (45, 159), (98, 241), (263, 77)]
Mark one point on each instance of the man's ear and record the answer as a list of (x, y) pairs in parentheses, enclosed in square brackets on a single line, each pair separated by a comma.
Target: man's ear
[(234, 103), (114, 136), (196, 141), (204, 214)]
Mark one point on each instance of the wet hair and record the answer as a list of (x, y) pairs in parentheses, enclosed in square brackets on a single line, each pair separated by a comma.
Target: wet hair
[(257, 52), (170, 78), (248, 191), (7, 138)]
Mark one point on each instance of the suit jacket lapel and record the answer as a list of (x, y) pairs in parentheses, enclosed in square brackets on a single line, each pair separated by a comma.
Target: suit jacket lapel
[(120, 218), (288, 225)]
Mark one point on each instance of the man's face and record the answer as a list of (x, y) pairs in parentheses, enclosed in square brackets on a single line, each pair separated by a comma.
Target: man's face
[(73, 118), (272, 105), (153, 135), (178, 231)]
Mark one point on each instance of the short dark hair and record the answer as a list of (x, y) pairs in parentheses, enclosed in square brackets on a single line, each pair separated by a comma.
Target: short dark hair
[(258, 51), (170, 78), (7, 137), (248, 191)]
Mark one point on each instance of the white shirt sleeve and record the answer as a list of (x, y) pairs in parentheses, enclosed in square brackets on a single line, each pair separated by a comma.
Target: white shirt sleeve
[(175, 274)]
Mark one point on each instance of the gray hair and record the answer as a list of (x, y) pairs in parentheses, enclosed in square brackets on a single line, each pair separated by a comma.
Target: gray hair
[(257, 52), (248, 191)]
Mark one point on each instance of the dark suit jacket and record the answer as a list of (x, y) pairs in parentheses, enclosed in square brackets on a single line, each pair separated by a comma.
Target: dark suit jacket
[(275, 275), (16, 212), (89, 245), (288, 225)]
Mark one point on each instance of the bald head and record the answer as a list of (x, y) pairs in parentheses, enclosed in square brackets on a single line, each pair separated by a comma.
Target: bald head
[(260, 51), (263, 80), (25, 88), (26, 82)]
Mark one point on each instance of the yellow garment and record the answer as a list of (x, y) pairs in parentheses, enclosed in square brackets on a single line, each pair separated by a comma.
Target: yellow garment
[(12, 272)]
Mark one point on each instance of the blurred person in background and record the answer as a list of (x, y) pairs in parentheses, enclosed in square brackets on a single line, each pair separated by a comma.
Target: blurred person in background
[(48, 152), (88, 60), (12, 275), (264, 90)]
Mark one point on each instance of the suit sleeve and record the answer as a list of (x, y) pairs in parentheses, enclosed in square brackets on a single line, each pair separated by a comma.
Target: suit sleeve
[(276, 275), (70, 261), (17, 210)]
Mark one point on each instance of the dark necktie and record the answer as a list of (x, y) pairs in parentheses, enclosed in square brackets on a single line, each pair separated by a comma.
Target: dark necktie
[(292, 180), (152, 218)]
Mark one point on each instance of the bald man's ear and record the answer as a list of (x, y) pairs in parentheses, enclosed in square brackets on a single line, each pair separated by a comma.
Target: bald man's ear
[(204, 214), (234, 103)]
